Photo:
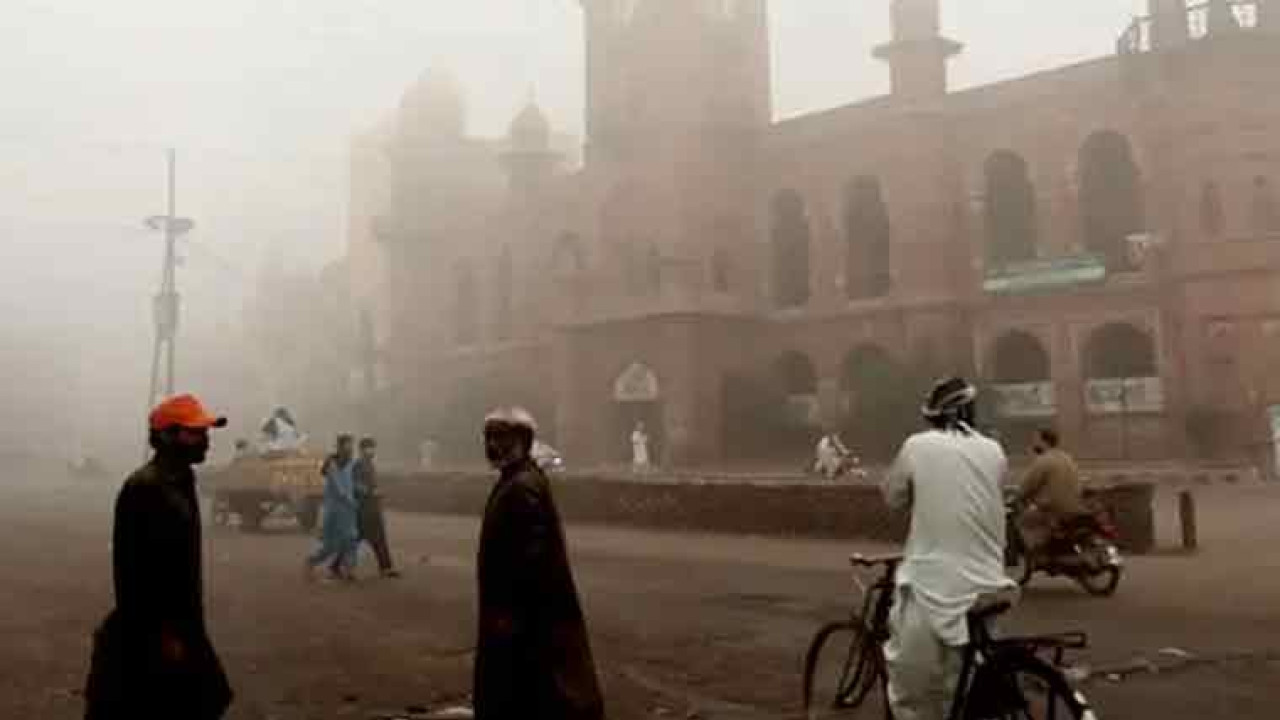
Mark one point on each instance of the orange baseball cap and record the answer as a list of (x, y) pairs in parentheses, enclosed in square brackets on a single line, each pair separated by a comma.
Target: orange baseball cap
[(184, 411)]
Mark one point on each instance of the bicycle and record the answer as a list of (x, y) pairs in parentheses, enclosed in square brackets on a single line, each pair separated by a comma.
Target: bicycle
[(1001, 679)]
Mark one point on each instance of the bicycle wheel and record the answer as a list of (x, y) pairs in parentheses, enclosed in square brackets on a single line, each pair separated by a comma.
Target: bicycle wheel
[(844, 675), (1020, 686)]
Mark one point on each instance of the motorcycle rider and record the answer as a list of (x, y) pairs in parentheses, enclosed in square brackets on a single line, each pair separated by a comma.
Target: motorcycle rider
[(1050, 493), (830, 455), (950, 477)]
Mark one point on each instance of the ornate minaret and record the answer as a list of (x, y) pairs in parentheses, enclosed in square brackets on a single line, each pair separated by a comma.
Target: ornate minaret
[(918, 54)]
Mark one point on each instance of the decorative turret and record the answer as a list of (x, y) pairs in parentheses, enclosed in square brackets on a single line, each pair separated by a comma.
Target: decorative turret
[(433, 110), (919, 53), (530, 159)]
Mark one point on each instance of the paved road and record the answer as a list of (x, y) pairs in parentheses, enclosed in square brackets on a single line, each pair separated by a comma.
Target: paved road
[(680, 622)]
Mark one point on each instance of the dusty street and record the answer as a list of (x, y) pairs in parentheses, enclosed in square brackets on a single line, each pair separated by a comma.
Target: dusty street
[(711, 624)]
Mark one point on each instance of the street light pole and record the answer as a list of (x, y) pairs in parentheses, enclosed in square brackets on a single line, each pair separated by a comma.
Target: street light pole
[(166, 304)]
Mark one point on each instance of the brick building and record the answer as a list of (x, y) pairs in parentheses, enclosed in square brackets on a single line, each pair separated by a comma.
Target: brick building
[(1100, 244)]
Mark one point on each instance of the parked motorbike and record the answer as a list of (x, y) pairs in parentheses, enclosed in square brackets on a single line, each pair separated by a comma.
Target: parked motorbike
[(850, 467), (548, 458), (1083, 549)]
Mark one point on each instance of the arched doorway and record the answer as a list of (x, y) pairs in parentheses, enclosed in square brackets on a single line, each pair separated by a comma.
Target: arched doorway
[(796, 381), (637, 398), (1022, 385), (1122, 379), (878, 402)]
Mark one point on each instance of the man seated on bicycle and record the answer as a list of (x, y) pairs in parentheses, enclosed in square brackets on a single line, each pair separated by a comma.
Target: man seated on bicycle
[(1051, 493), (950, 478)]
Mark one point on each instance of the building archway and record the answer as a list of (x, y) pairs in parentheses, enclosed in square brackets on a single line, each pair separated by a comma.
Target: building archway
[(1012, 232), (879, 407), (868, 259), (1022, 386), (1111, 200), (1121, 371), (636, 395), (791, 239)]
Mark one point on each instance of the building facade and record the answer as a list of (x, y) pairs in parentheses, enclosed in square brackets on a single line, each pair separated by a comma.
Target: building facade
[(1099, 244)]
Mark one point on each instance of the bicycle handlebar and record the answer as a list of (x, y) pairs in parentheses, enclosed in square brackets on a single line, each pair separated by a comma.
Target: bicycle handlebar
[(870, 561)]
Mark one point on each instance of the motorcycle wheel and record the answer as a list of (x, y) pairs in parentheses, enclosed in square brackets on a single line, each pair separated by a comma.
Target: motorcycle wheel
[(1102, 582)]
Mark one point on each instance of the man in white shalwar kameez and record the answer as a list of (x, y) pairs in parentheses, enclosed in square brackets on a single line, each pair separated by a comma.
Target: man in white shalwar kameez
[(950, 477), (639, 449)]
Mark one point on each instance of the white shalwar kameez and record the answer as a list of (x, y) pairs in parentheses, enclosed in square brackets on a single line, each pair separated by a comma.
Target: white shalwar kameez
[(954, 554)]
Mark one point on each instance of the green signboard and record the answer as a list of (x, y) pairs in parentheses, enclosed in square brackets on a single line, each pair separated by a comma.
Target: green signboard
[(1044, 275)]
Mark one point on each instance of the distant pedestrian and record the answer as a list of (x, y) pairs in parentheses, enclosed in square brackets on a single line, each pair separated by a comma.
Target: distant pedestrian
[(372, 523), (640, 449), (339, 514), (533, 657), (152, 658)]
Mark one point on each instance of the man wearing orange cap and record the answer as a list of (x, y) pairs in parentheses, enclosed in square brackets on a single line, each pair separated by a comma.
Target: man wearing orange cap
[(152, 658)]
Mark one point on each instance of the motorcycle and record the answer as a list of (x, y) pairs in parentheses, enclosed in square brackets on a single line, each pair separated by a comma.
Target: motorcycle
[(1083, 548), (849, 467), (548, 458)]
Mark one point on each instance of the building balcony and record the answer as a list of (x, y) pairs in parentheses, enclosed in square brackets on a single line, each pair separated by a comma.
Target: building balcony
[(1203, 20)]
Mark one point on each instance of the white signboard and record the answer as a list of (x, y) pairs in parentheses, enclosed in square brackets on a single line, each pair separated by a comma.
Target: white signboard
[(1026, 400), (1132, 395), (636, 384), (804, 409)]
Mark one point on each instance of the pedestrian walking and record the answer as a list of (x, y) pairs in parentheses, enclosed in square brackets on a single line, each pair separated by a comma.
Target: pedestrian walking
[(339, 514), (372, 523), (533, 657), (152, 657), (640, 449)]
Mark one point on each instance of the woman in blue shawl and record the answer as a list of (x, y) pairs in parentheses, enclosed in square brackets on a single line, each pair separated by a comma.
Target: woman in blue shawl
[(339, 514)]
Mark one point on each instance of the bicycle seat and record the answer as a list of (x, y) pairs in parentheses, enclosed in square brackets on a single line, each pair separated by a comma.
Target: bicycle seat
[(992, 604), (868, 561)]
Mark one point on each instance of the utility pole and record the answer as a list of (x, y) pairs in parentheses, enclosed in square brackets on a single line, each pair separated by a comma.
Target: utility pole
[(166, 302)]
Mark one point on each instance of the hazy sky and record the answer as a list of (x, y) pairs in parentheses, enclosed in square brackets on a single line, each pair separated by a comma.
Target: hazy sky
[(261, 97)]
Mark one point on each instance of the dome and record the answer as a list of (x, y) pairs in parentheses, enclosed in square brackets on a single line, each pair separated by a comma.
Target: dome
[(433, 106), (530, 130)]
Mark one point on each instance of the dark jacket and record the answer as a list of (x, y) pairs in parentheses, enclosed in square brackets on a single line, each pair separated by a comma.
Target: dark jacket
[(156, 554), (533, 658)]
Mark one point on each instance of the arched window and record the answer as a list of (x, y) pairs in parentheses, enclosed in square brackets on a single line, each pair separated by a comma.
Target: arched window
[(791, 238), (1212, 217), (1266, 212), (1120, 351), (1010, 209), (865, 368), (1111, 204), (1022, 386), (866, 221), (504, 290), (466, 329), (799, 383), (1019, 357)]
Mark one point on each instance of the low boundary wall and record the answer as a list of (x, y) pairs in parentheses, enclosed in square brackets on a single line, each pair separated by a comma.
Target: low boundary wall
[(778, 508)]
